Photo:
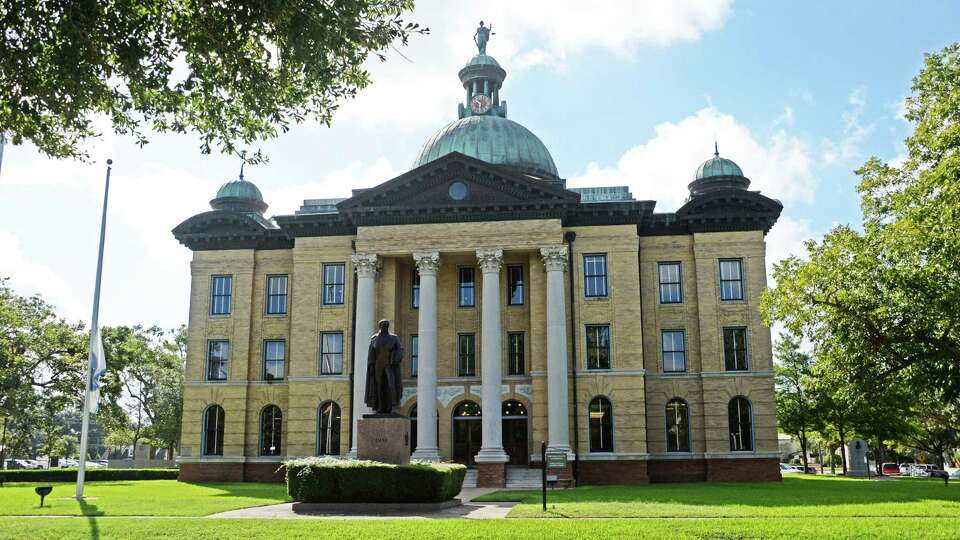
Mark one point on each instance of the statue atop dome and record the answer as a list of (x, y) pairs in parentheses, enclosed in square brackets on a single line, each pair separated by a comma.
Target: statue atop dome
[(482, 36)]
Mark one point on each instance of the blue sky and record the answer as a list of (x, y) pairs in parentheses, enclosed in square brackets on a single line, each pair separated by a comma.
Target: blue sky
[(622, 93)]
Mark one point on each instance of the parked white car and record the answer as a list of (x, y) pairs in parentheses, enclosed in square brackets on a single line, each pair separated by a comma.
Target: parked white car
[(904, 468), (786, 468), (921, 469)]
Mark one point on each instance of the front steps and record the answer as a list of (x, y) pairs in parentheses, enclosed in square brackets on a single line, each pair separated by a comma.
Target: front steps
[(517, 478)]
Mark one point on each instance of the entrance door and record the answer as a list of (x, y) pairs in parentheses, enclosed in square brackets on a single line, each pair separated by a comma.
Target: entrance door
[(515, 441), (467, 432)]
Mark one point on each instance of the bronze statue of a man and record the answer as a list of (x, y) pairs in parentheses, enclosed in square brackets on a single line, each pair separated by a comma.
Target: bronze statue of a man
[(384, 386)]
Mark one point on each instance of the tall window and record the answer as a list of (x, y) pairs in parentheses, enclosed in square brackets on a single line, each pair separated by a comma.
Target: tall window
[(678, 426), (468, 287), (731, 279), (276, 295), (735, 349), (674, 351), (466, 355), (274, 354), (213, 431), (414, 354), (594, 275), (515, 285), (741, 425), (601, 425), (221, 290), (333, 279), (671, 289), (328, 429), (516, 364), (218, 360), (415, 290), (598, 346), (271, 427), (331, 353)]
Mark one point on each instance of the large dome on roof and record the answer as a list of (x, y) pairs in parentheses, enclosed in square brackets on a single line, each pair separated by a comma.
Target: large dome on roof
[(492, 139)]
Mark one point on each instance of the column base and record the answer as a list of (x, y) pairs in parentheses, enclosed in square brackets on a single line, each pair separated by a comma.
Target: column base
[(352, 454), (426, 454), (491, 455), (491, 474)]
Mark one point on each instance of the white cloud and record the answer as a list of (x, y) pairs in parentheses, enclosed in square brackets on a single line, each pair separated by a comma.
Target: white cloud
[(854, 131), (787, 238), (288, 198), (28, 277), (661, 168), (786, 118)]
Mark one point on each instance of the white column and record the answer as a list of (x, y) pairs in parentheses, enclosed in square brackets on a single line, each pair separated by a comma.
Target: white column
[(366, 266), (491, 448), (427, 448), (555, 261)]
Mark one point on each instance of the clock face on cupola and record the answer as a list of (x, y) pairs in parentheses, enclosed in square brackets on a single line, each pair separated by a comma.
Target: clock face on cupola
[(480, 104)]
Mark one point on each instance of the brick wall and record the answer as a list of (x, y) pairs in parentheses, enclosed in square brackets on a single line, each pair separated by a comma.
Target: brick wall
[(677, 470), (613, 472), (491, 474), (743, 470), (231, 472)]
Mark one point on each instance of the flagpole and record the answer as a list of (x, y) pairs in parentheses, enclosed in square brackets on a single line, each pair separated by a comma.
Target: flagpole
[(94, 325)]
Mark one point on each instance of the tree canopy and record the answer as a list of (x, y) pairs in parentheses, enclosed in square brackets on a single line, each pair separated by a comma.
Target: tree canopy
[(234, 71)]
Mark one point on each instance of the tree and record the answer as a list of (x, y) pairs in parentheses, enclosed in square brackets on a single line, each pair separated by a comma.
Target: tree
[(883, 302), (233, 71), (796, 411), (934, 426)]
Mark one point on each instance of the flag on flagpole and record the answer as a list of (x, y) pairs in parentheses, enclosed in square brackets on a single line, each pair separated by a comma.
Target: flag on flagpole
[(98, 367)]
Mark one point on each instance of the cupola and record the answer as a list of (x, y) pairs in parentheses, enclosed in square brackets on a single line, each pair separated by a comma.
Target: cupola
[(717, 173), (239, 196)]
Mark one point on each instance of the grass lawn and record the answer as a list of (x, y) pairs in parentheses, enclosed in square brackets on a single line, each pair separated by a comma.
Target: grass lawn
[(797, 496), (138, 498)]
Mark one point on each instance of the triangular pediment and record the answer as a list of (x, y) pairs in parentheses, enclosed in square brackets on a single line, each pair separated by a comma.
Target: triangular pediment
[(456, 183)]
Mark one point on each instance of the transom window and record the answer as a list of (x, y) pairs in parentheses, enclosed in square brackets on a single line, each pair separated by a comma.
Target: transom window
[(595, 275), (731, 279), (598, 346), (741, 425), (331, 353), (468, 287), (414, 354), (276, 295), (213, 431), (328, 429), (515, 285), (274, 354), (221, 289), (271, 428), (678, 426), (466, 355), (333, 280), (671, 290), (674, 351), (735, 349), (218, 360), (601, 425), (515, 357), (415, 290)]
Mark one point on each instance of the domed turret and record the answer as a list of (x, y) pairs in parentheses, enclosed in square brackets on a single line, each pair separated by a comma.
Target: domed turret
[(717, 173), (239, 196)]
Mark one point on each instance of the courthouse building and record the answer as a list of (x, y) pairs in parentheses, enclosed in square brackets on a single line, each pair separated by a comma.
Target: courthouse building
[(628, 339)]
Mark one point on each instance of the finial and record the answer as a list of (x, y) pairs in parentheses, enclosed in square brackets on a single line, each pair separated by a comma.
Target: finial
[(242, 163), (716, 151)]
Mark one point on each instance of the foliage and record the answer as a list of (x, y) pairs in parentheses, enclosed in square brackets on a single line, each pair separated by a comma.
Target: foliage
[(69, 474), (796, 411), (336, 480), (883, 302), (934, 426), (233, 72)]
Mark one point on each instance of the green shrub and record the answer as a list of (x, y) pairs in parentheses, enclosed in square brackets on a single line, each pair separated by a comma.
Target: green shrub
[(339, 480), (92, 475)]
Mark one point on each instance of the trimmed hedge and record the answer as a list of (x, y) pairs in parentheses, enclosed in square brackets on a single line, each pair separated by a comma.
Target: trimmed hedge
[(92, 475), (339, 480)]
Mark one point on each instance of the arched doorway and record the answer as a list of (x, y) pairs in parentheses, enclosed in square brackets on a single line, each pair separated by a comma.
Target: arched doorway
[(515, 440), (467, 432)]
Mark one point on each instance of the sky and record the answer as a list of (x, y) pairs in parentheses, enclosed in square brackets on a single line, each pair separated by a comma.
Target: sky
[(632, 93)]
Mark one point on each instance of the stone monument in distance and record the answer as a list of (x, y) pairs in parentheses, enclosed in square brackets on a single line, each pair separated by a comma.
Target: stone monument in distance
[(384, 435), (857, 452)]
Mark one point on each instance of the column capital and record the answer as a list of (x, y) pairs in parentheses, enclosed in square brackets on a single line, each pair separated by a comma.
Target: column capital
[(554, 258), (490, 259), (428, 262), (365, 264)]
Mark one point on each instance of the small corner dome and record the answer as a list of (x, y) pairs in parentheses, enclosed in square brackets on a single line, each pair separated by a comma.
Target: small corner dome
[(717, 173), (239, 195), (717, 166)]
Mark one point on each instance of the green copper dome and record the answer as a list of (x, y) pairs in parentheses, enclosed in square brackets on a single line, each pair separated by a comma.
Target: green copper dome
[(239, 195), (718, 166), (483, 60), (240, 189), (717, 173), (492, 139)]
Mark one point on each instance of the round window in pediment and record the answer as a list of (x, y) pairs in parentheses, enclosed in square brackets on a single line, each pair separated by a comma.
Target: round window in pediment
[(458, 191)]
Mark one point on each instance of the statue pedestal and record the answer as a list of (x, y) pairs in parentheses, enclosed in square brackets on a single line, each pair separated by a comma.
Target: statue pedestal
[(384, 438)]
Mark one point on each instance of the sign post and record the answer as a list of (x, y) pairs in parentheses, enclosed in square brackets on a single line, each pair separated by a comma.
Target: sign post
[(543, 479)]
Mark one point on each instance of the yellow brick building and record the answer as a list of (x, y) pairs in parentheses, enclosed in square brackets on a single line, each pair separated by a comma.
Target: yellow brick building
[(629, 341)]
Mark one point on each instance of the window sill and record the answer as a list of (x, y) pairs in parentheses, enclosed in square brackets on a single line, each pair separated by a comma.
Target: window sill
[(733, 302), (597, 298), (219, 315), (274, 315), (332, 306)]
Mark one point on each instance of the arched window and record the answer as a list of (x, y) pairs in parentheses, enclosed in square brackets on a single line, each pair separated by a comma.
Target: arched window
[(601, 425), (678, 426), (741, 425), (467, 409), (328, 429), (514, 408), (213, 431), (271, 423)]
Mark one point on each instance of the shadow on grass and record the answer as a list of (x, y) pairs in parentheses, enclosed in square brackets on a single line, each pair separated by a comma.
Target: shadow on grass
[(91, 512)]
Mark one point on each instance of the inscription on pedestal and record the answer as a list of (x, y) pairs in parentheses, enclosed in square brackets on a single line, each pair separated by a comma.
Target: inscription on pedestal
[(384, 439)]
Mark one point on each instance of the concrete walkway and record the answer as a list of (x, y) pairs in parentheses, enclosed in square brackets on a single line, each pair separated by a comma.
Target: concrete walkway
[(469, 509)]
